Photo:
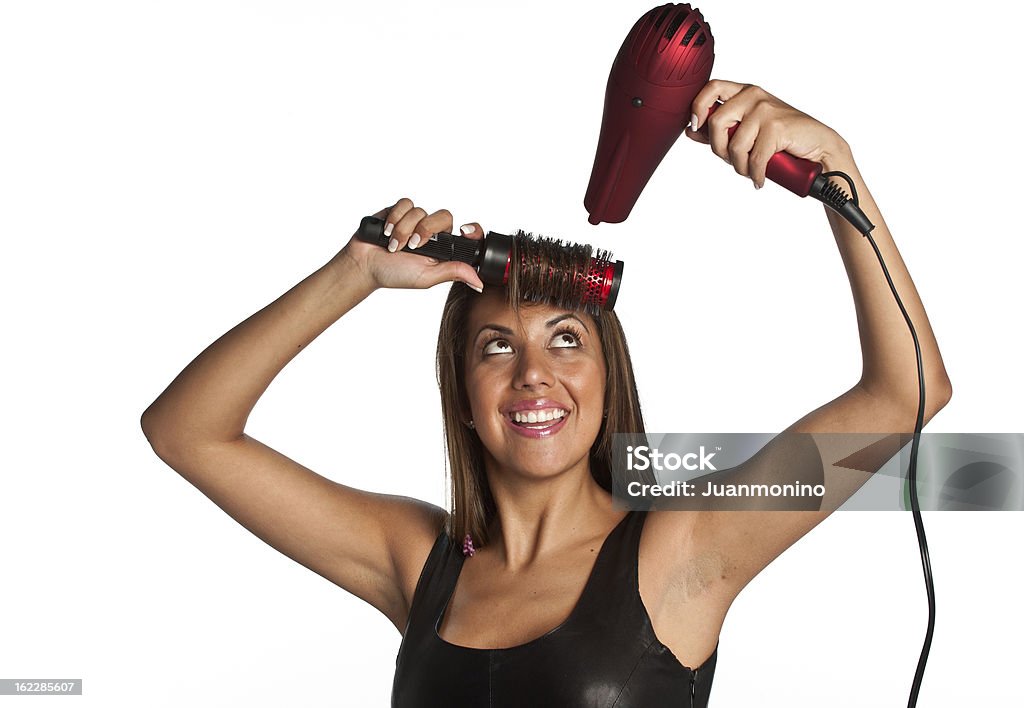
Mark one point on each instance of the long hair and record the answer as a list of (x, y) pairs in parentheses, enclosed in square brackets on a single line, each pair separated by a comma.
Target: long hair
[(472, 505)]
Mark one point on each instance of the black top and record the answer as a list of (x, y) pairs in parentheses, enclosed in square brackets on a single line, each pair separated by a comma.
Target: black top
[(605, 655)]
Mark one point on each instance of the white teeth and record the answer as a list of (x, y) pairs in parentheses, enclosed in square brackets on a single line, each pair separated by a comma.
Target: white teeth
[(541, 416)]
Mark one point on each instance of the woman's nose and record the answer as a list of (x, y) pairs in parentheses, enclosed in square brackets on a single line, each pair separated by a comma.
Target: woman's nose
[(533, 369)]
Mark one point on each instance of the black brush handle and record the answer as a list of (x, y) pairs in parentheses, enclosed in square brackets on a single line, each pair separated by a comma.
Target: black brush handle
[(442, 246)]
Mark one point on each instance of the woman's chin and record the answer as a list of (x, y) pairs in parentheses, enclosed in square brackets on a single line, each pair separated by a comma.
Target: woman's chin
[(540, 467)]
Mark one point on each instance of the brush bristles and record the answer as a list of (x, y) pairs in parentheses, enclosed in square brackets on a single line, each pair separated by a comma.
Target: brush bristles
[(555, 272)]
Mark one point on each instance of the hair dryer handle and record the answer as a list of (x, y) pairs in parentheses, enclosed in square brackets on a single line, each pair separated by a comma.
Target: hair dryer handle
[(794, 173)]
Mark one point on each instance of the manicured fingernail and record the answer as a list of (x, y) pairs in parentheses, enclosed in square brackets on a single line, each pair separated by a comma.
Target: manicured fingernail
[(757, 186), (479, 290), (693, 122), (387, 229), (414, 241), (467, 229), (393, 245)]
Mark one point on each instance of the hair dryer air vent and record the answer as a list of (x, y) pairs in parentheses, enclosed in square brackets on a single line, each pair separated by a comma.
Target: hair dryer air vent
[(662, 51), (664, 61)]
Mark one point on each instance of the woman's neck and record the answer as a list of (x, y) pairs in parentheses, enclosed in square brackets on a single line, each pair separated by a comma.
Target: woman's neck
[(536, 518)]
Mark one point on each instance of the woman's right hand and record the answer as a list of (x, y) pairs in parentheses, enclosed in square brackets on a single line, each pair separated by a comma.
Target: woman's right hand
[(407, 223)]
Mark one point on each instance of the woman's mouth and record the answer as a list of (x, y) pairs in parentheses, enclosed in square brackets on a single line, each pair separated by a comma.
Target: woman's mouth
[(537, 423)]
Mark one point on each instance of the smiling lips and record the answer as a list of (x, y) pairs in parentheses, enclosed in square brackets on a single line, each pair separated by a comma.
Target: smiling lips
[(540, 418)]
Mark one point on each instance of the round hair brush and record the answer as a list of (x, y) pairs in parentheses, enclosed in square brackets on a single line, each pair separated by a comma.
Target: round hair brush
[(549, 270)]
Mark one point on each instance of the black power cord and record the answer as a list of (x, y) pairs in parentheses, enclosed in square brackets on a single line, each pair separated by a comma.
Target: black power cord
[(832, 195)]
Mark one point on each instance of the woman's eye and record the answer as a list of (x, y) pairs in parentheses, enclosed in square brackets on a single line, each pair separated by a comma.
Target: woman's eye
[(497, 346), (565, 339)]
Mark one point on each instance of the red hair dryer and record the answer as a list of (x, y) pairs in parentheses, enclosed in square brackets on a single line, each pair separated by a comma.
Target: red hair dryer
[(663, 63)]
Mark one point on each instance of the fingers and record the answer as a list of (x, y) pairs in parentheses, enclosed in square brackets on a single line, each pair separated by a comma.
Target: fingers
[(408, 224), (735, 111), (400, 209), (697, 136), (403, 229), (453, 270), (752, 114), (768, 143), (473, 231), (714, 90), (428, 226), (740, 144)]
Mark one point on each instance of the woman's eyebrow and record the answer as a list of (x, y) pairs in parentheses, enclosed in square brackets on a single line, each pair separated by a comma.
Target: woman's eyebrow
[(555, 320), (550, 323), (496, 328)]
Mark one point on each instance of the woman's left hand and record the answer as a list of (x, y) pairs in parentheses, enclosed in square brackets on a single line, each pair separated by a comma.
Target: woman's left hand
[(767, 126)]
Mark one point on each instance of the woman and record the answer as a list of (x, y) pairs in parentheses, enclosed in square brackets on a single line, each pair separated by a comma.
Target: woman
[(535, 590)]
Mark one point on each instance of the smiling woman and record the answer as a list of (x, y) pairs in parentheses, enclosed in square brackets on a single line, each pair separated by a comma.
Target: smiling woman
[(535, 589)]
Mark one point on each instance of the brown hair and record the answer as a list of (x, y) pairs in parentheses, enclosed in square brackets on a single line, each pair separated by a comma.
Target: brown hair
[(472, 506)]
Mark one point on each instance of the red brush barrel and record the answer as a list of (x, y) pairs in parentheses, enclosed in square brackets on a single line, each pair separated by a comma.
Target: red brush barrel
[(794, 173), (599, 284)]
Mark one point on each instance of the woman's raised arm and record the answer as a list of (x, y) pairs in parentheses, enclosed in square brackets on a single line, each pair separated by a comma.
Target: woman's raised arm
[(372, 545), (870, 420)]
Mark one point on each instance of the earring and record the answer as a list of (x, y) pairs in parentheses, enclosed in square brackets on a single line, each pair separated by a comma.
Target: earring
[(471, 425), (605, 412), (467, 546)]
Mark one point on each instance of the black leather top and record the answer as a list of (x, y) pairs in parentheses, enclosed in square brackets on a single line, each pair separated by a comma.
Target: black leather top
[(604, 655)]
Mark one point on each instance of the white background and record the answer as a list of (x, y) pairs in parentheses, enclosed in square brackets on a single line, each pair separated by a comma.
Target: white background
[(167, 169)]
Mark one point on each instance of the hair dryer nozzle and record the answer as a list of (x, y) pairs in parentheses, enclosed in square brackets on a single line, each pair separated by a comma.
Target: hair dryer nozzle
[(663, 63)]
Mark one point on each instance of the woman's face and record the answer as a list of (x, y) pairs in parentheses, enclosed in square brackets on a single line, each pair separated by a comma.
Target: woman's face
[(535, 383)]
